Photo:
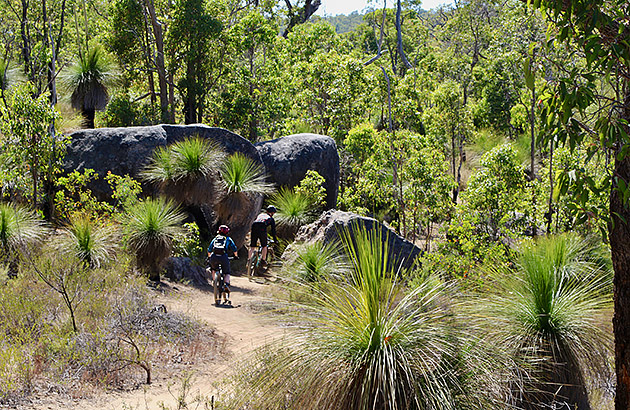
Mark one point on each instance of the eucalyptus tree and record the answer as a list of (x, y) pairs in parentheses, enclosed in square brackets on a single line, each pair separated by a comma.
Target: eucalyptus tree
[(450, 120), (140, 47), (193, 27), (252, 98), (298, 13), (28, 147)]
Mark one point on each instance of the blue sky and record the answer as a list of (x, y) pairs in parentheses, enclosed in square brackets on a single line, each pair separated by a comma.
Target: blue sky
[(333, 7)]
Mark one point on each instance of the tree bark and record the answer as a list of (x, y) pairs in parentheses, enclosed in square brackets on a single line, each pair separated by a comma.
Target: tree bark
[(399, 43), (300, 16), (619, 236), (26, 43), (159, 61)]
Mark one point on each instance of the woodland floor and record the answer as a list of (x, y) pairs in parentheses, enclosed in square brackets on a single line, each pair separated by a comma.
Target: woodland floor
[(239, 329)]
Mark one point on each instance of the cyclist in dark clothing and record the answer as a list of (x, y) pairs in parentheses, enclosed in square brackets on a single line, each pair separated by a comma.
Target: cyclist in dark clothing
[(218, 251), (259, 232)]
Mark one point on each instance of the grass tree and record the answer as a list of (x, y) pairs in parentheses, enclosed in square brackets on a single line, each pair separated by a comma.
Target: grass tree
[(89, 241), (294, 210), (317, 261), (152, 225), (366, 344), (186, 170), (243, 181), (18, 227), (88, 79), (548, 313)]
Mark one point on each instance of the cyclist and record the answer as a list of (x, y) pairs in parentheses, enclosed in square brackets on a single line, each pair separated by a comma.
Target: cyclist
[(259, 233), (218, 252)]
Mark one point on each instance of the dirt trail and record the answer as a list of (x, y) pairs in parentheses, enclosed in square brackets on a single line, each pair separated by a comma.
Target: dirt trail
[(242, 329)]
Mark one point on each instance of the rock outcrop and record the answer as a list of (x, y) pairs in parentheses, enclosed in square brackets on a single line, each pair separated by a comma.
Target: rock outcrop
[(126, 150), (331, 225), (287, 160), (183, 269)]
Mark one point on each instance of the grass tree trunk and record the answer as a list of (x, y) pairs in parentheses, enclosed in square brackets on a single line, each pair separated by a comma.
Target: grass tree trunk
[(561, 383), (89, 117)]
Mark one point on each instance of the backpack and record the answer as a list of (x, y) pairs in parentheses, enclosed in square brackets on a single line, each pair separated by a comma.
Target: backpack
[(220, 243)]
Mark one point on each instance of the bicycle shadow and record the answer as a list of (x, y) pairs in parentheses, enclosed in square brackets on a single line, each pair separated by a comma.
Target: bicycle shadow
[(224, 306)]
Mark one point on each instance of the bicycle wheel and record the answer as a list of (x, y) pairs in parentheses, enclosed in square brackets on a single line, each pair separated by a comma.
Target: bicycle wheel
[(270, 254), (251, 265), (218, 288)]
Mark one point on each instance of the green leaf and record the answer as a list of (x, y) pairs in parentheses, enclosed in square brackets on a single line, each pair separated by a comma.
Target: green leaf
[(529, 76)]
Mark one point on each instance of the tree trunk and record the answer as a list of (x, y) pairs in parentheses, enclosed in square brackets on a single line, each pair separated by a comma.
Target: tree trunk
[(559, 381), (532, 159), (159, 61), (253, 120), (549, 213), (619, 236), (26, 43), (403, 57), (89, 117)]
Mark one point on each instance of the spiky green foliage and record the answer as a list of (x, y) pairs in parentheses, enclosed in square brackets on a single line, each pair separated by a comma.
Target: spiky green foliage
[(89, 241), (547, 312), (241, 174), (18, 226), (243, 181), (185, 170), (152, 225), (365, 344), (294, 209), (317, 261), (88, 80)]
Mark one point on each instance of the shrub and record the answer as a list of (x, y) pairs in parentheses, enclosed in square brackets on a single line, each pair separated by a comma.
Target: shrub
[(188, 242), (312, 186), (119, 331)]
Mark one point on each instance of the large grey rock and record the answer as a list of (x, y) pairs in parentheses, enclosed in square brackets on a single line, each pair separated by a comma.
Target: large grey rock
[(182, 269), (126, 150), (331, 225), (288, 158)]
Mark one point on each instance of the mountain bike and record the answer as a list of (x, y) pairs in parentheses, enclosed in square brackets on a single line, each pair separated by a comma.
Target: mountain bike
[(254, 264), (221, 289)]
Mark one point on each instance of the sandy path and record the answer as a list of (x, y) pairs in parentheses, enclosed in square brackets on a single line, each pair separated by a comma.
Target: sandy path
[(242, 329)]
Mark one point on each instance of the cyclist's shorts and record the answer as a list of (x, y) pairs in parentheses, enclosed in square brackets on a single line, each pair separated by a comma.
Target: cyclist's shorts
[(259, 232), (220, 260)]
